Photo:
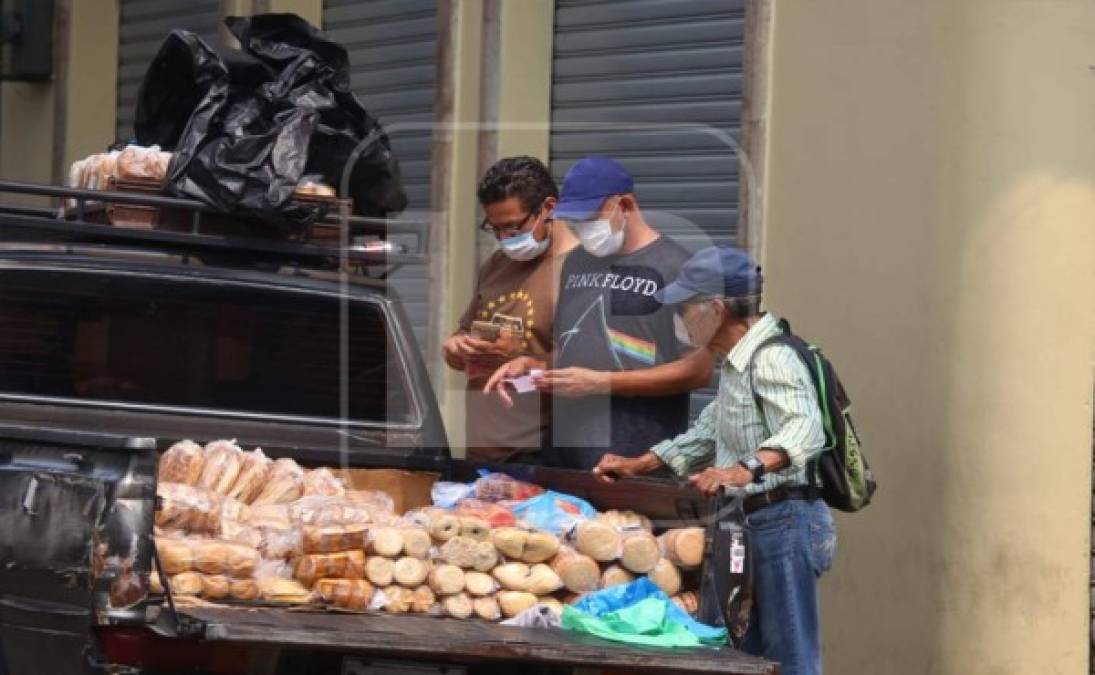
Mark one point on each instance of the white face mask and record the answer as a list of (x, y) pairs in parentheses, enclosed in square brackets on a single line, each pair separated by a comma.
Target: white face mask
[(680, 330), (524, 246), (597, 236)]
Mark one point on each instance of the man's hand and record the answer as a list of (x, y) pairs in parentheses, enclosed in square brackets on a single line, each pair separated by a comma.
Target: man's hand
[(710, 480), (575, 382), (515, 368), (612, 466), (460, 346)]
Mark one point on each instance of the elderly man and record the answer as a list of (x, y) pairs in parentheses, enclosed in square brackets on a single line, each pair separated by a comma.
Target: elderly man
[(759, 435)]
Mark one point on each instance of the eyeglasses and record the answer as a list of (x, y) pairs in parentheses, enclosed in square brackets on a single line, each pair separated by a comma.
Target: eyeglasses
[(511, 229)]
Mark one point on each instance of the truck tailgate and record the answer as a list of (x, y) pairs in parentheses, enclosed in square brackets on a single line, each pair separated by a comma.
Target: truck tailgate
[(434, 638)]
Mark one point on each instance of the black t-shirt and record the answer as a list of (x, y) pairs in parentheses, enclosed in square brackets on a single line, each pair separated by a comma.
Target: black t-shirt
[(608, 319)]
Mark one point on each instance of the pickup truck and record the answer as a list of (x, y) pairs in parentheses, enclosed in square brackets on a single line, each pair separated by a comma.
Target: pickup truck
[(116, 343)]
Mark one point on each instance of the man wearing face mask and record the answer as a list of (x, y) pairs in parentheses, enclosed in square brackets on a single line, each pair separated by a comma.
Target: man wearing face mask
[(759, 434), (619, 377), (512, 309)]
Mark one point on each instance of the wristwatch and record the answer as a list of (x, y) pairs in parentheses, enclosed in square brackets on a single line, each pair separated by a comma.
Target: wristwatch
[(754, 466)]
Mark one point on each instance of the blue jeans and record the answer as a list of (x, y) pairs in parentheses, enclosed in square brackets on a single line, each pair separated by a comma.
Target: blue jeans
[(793, 544)]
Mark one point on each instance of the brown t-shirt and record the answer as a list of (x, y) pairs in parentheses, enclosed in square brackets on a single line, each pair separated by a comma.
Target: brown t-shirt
[(518, 297)]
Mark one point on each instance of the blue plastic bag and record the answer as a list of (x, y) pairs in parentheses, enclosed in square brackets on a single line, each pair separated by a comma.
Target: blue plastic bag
[(554, 511), (614, 598)]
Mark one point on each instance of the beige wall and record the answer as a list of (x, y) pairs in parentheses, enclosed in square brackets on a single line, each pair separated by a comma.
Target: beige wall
[(930, 215)]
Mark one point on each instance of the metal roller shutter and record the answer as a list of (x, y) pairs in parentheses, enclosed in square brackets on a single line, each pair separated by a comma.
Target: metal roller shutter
[(393, 59), (658, 63), (143, 25)]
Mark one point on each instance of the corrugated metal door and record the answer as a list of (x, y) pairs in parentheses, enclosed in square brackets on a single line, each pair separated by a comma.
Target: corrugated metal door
[(657, 85), (393, 59), (143, 25)]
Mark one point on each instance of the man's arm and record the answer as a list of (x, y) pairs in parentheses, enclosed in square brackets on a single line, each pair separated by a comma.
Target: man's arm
[(694, 448), (691, 371)]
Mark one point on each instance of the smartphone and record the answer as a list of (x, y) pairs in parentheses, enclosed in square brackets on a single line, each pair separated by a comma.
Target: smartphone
[(485, 330)]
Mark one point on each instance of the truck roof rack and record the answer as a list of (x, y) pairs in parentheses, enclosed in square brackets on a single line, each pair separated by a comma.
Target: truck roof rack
[(204, 232)]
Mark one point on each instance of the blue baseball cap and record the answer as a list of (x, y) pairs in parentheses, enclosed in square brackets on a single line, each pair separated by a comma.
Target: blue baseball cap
[(588, 183), (716, 271)]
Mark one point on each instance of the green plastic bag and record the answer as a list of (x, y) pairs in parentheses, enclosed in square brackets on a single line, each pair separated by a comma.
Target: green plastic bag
[(643, 623)]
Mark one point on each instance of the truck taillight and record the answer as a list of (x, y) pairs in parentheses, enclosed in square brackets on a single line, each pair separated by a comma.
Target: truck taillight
[(140, 647)]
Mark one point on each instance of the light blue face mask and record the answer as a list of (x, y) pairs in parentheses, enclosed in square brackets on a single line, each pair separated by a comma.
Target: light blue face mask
[(524, 246)]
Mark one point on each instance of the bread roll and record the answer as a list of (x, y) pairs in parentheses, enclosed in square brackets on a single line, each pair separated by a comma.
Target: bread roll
[(399, 599), (540, 547), (233, 509), (276, 589), (475, 528), (510, 541), (416, 542), (344, 565), (666, 577), (284, 483), (486, 608), (409, 572), (352, 594), (422, 599), (543, 580), (269, 515), (252, 477), (623, 519), (211, 557), (334, 538), (687, 601), (458, 605), (468, 553), (241, 561), (155, 584), (578, 571), (614, 575), (378, 570), (447, 580), (186, 583), (597, 539), (639, 551), (215, 587), (243, 589), (223, 460), (182, 463), (512, 576), (323, 482), (175, 555), (443, 526), (513, 603), (684, 547), (386, 541), (480, 583)]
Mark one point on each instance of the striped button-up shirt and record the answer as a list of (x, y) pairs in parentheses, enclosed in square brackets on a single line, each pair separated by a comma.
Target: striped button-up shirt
[(733, 426)]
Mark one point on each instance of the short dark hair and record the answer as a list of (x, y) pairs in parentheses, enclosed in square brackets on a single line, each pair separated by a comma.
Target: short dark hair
[(743, 306), (523, 177)]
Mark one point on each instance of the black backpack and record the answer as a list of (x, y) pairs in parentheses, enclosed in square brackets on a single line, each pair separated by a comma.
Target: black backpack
[(846, 480)]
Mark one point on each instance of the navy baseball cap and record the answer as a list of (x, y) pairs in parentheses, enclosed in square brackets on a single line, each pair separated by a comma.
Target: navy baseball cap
[(588, 183), (717, 271)]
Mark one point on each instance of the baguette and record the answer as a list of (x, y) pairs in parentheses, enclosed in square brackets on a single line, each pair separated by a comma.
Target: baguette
[(252, 476)]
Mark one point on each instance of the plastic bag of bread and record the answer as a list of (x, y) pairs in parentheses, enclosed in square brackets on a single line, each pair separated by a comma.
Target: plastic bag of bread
[(321, 510), (254, 468), (423, 600), (214, 586), (334, 538), (182, 463), (234, 509), (579, 572), (355, 594), (468, 553), (386, 541), (136, 162), (441, 524), (155, 584), (639, 551), (494, 514), (220, 557), (614, 575), (512, 576), (475, 528), (542, 580), (666, 577), (531, 546), (380, 570), (683, 547), (624, 519), (276, 589), (416, 542), (175, 555), (499, 487), (236, 532), (223, 460), (187, 508), (376, 499), (279, 544), (397, 600), (597, 539), (269, 515), (322, 482), (343, 565), (243, 589), (284, 483), (186, 583)]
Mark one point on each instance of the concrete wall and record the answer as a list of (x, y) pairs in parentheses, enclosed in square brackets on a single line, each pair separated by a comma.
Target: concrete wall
[(930, 220)]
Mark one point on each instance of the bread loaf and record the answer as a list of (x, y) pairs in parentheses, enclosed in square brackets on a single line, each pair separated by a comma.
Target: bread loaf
[(486, 608), (422, 599), (683, 547), (215, 587), (223, 460), (175, 555), (623, 519), (513, 603), (270, 515), (378, 570), (447, 580), (182, 463), (284, 483), (344, 565), (475, 528), (399, 599), (666, 577), (597, 539), (210, 557), (276, 589), (458, 605), (512, 576), (578, 571), (480, 583), (614, 575), (409, 572), (186, 583), (416, 542), (183, 507), (468, 553), (243, 589), (323, 482), (639, 551), (241, 561), (540, 547), (352, 594), (386, 541), (510, 541), (543, 580), (254, 469), (334, 538)]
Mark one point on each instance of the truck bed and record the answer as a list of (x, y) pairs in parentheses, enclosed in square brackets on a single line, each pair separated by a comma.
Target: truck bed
[(438, 639)]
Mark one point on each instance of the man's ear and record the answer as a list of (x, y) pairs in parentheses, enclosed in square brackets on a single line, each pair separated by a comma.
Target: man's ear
[(549, 204), (628, 203)]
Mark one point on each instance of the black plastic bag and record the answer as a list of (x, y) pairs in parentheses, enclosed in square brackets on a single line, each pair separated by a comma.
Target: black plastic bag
[(246, 128)]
